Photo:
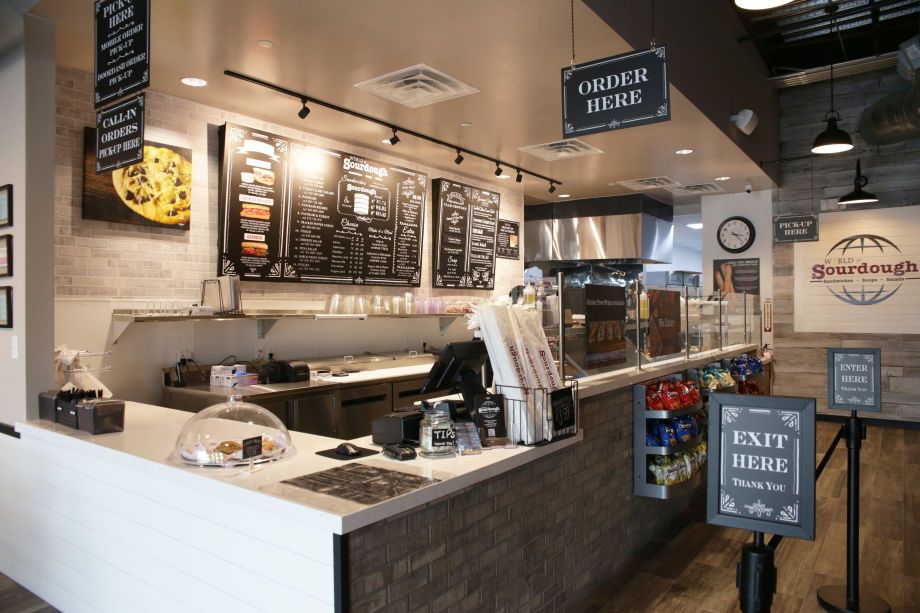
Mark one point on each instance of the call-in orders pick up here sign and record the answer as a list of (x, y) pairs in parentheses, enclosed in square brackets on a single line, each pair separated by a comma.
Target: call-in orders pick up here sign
[(762, 464)]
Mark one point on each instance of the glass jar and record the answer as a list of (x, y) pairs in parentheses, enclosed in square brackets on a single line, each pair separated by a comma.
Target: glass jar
[(437, 437)]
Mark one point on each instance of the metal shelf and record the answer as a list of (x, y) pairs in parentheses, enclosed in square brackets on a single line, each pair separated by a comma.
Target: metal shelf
[(641, 486), (668, 492), (673, 449), (667, 414), (265, 320), (722, 390)]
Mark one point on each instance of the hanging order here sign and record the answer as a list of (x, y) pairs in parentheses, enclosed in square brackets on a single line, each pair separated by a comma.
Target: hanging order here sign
[(617, 92)]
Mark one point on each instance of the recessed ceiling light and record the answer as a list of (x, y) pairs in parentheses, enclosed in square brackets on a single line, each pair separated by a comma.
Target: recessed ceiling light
[(466, 124), (193, 81), (504, 176), (722, 178), (385, 141), (684, 151), (565, 195), (695, 226), (266, 44)]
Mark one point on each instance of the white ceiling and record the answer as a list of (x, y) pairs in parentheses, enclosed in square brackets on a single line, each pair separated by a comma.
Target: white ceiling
[(511, 50)]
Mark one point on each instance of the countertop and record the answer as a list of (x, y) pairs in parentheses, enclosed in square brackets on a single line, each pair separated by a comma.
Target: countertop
[(150, 432), (316, 383)]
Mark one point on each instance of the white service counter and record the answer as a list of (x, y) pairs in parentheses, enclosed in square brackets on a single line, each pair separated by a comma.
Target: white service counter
[(108, 523)]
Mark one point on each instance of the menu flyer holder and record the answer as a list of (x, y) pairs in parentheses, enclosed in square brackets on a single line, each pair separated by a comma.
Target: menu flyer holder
[(854, 384), (761, 478)]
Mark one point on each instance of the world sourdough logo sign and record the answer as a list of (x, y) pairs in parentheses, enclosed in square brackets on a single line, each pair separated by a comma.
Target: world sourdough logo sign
[(862, 276), (853, 273)]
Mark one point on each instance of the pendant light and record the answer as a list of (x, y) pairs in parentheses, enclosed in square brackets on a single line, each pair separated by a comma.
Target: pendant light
[(833, 139), (858, 196), (759, 5)]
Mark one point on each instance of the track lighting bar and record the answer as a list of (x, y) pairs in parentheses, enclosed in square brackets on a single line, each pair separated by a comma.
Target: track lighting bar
[(460, 150)]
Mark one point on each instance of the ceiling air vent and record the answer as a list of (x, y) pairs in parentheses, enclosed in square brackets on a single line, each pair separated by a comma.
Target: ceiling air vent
[(416, 86), (695, 190), (561, 150), (638, 185)]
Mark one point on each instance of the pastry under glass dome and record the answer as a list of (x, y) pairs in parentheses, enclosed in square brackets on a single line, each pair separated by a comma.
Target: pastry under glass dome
[(214, 436)]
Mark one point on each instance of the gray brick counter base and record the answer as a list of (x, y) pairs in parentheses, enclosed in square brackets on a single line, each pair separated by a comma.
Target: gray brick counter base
[(540, 538)]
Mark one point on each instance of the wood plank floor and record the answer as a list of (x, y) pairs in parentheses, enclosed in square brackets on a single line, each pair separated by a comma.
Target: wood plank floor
[(693, 570)]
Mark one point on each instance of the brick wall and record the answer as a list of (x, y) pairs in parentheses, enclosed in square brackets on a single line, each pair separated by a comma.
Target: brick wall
[(801, 367), (541, 537), (97, 259)]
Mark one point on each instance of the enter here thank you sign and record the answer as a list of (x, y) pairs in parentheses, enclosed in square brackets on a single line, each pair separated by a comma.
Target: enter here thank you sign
[(854, 379), (862, 276), (616, 92), (762, 464)]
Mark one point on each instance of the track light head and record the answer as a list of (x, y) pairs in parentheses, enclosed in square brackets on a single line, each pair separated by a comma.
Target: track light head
[(519, 177), (394, 140), (304, 111), (459, 159), (552, 187), (498, 170)]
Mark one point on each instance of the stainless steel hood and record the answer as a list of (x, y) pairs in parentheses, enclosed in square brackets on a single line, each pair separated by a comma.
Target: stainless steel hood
[(633, 228)]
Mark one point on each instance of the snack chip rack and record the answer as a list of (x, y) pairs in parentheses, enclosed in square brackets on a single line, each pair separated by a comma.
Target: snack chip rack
[(539, 416)]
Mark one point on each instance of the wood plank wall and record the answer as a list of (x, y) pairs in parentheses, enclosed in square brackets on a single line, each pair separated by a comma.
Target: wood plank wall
[(894, 175)]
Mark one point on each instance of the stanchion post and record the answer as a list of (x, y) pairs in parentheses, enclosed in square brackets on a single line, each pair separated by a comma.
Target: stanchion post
[(756, 576), (836, 598)]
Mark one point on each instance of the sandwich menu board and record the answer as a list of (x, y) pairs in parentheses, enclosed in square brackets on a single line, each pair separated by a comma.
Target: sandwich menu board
[(465, 227), (762, 464), (295, 212), (605, 315), (664, 326)]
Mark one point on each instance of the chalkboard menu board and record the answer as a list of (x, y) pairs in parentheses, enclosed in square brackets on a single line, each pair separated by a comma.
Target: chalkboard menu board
[(762, 464), (854, 378), (465, 227), (509, 240), (295, 212)]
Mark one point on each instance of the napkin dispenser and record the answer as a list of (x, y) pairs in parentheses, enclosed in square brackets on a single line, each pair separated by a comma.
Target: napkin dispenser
[(222, 294), (395, 428)]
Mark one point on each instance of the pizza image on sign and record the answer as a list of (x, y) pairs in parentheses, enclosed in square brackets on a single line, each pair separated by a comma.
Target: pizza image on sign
[(156, 191)]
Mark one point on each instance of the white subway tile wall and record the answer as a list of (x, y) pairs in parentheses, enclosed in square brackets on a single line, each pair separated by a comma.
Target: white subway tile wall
[(121, 262)]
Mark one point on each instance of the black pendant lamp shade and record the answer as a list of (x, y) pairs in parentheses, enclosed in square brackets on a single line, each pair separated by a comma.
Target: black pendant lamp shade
[(858, 195), (833, 139)]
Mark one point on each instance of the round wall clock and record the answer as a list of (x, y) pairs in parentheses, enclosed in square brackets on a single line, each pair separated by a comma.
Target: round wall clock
[(736, 234)]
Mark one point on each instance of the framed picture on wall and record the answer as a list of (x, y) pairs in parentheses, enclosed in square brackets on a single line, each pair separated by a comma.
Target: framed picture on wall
[(6, 307), (6, 205), (6, 255)]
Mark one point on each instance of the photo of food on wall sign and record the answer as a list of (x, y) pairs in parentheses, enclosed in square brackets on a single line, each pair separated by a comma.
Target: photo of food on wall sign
[(157, 191)]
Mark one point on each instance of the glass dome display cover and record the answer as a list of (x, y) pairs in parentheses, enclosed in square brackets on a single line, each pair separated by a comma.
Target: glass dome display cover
[(217, 435)]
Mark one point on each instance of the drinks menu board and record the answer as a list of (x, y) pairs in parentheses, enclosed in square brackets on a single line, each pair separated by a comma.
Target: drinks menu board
[(465, 229), (295, 212)]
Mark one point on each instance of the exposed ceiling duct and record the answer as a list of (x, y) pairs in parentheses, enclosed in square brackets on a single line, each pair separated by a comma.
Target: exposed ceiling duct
[(896, 117), (893, 119)]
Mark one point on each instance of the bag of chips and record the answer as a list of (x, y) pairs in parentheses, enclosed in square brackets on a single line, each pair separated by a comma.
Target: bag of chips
[(683, 427), (666, 434), (665, 471), (651, 440)]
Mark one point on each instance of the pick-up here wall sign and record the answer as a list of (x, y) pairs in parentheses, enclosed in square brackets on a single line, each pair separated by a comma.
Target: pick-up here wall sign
[(616, 92)]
